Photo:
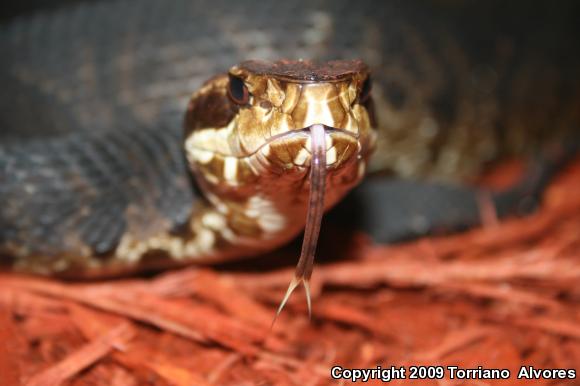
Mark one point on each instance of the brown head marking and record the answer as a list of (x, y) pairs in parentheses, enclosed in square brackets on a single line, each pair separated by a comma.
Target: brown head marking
[(306, 70)]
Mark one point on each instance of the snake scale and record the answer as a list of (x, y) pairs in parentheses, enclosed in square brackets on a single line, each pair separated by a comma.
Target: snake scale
[(94, 179)]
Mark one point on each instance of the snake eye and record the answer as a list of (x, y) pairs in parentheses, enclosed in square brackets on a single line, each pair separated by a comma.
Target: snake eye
[(237, 91), (365, 90)]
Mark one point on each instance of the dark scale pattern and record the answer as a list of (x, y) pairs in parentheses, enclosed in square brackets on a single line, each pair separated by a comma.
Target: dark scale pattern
[(62, 194)]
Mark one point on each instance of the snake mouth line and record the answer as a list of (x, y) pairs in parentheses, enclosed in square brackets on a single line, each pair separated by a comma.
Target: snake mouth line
[(304, 133), (333, 138)]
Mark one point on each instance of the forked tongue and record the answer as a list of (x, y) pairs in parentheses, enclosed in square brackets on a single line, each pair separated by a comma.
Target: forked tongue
[(313, 217)]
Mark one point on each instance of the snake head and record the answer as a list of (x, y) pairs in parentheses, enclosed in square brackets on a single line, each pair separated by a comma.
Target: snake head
[(253, 121), (248, 139)]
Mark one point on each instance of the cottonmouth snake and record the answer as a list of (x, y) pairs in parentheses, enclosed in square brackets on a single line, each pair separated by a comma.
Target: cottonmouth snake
[(93, 178)]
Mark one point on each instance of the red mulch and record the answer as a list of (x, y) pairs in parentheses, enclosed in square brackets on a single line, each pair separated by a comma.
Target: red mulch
[(500, 297)]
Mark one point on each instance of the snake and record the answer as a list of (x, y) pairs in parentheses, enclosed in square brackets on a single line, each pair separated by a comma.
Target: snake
[(139, 135)]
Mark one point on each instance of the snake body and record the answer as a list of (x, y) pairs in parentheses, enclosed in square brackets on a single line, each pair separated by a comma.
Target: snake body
[(93, 174)]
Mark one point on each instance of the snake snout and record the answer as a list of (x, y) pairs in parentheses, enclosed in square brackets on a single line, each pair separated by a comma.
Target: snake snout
[(293, 150)]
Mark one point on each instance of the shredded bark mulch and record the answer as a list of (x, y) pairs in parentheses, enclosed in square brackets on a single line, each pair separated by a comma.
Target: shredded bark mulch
[(502, 296)]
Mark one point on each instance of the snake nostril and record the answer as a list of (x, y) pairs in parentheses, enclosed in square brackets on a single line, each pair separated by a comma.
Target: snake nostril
[(266, 105)]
